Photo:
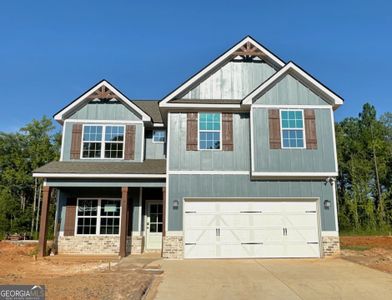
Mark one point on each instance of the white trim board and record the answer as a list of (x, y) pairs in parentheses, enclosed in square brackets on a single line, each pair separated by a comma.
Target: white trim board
[(198, 105), (60, 115), (221, 59), (294, 106), (102, 121), (294, 174), (83, 175), (208, 172), (291, 67), (167, 168)]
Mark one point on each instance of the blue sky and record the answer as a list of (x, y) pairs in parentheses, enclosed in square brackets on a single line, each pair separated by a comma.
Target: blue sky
[(52, 51)]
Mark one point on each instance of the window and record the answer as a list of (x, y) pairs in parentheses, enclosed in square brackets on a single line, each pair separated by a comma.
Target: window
[(103, 141), (159, 136), (210, 131), (92, 141), (292, 124), (98, 217), (114, 141)]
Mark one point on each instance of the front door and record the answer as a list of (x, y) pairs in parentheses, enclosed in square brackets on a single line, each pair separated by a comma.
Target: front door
[(154, 225)]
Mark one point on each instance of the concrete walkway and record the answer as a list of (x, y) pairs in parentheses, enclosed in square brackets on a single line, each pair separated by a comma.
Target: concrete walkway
[(272, 279)]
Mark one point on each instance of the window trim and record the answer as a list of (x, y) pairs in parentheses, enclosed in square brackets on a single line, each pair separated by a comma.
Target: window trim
[(103, 142), (281, 128), (158, 142), (198, 131), (98, 216)]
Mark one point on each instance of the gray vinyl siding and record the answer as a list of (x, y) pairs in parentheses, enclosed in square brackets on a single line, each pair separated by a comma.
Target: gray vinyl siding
[(235, 80), (154, 150), (290, 91), (182, 160), (105, 111), (68, 139), (183, 186), (321, 159), (65, 193)]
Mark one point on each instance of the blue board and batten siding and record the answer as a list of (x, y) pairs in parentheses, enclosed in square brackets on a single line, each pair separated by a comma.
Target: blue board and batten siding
[(220, 186), (67, 131), (154, 150), (105, 111), (318, 160), (290, 91), (235, 80), (182, 160)]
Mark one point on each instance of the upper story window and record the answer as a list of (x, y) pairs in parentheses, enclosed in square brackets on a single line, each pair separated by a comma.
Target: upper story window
[(103, 141), (210, 131), (159, 136), (292, 126)]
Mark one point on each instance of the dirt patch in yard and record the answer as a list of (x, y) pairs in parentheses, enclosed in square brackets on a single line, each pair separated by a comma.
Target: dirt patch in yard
[(372, 251), (74, 277)]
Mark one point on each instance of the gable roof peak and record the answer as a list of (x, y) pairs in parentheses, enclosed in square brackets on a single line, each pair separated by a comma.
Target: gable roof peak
[(292, 68), (246, 47), (102, 90)]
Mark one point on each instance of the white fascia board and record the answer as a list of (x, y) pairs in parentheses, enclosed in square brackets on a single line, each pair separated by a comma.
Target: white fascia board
[(214, 64), (199, 105), (282, 175), (208, 172), (83, 175), (144, 116), (102, 121), (248, 100)]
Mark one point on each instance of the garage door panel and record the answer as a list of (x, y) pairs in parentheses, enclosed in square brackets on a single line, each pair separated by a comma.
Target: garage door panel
[(301, 234), (240, 250), (203, 219), (200, 251), (227, 229), (200, 235), (302, 250)]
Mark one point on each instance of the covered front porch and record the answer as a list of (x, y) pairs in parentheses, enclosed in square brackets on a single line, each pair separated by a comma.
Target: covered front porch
[(94, 217)]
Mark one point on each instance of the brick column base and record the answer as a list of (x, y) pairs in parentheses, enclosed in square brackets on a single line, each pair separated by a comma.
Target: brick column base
[(331, 245), (173, 247)]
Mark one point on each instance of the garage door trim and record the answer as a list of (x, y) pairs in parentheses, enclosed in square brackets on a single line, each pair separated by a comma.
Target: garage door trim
[(257, 199)]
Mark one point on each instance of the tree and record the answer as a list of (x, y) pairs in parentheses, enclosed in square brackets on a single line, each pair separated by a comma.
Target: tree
[(20, 153)]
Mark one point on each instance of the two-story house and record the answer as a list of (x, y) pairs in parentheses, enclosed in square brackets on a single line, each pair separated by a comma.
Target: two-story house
[(239, 161)]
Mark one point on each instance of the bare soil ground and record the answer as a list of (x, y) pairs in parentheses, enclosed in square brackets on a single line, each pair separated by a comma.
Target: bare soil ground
[(372, 251), (74, 277)]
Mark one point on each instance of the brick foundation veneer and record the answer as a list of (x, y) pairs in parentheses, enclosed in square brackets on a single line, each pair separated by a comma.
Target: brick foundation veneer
[(135, 244), (173, 247), (99, 245), (331, 245)]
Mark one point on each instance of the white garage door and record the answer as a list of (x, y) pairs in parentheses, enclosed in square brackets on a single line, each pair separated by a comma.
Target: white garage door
[(240, 229)]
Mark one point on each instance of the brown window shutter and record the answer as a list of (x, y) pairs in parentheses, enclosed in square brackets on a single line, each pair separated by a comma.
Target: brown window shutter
[(191, 132), (130, 133), (310, 129), (227, 131), (76, 141), (70, 214), (274, 128)]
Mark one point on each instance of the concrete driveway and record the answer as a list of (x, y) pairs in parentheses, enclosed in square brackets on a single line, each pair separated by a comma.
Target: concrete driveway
[(272, 279)]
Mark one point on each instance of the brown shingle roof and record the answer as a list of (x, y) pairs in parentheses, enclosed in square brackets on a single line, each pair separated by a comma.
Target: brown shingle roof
[(150, 107), (149, 166)]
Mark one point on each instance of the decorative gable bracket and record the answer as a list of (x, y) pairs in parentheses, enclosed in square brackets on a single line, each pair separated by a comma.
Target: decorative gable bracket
[(249, 50), (103, 93)]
